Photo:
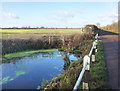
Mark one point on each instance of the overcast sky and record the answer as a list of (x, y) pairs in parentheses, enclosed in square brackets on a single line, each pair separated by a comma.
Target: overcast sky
[(58, 14)]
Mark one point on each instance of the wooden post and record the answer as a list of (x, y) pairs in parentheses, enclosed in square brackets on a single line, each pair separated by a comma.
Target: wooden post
[(52, 41), (87, 73), (49, 40), (63, 41)]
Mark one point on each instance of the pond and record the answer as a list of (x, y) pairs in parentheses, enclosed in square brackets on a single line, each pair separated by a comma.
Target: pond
[(30, 72)]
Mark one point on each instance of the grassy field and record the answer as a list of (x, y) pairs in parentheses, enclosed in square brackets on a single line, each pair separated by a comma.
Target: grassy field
[(16, 40), (35, 33), (39, 30)]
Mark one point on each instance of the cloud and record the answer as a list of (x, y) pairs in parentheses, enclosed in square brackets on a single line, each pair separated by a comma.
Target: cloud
[(10, 15), (0, 8), (113, 15), (62, 16), (65, 14), (108, 15)]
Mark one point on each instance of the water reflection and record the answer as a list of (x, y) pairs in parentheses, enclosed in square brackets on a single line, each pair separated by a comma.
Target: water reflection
[(28, 72)]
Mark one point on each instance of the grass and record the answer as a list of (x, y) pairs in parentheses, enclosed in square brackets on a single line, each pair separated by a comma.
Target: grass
[(111, 32), (40, 30), (65, 80), (24, 53), (68, 79), (16, 40), (98, 70), (70, 41), (44, 83), (35, 33)]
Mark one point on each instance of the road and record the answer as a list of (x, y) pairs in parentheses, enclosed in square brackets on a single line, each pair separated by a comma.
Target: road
[(110, 43)]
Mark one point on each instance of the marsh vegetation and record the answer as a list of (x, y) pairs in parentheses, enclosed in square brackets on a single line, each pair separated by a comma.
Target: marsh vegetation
[(33, 52)]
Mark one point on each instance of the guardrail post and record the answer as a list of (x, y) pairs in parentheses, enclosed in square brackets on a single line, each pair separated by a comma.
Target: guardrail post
[(93, 55), (96, 37), (96, 45), (86, 59), (93, 52), (86, 78)]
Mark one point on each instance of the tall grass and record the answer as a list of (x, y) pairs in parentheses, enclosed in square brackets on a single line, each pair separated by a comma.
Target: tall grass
[(67, 80), (17, 45), (72, 41)]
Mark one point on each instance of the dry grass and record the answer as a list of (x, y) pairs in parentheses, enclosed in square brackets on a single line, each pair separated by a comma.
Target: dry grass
[(17, 45), (67, 80)]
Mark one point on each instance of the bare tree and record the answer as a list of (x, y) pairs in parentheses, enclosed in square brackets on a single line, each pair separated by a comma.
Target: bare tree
[(42, 27), (98, 25)]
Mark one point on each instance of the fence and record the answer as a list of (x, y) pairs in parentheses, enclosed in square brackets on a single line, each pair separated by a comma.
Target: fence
[(86, 65)]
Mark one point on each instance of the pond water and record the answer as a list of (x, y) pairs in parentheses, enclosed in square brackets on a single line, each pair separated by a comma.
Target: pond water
[(29, 72)]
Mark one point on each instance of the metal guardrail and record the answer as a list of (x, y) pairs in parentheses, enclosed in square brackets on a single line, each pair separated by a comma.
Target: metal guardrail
[(80, 78), (92, 49), (86, 63)]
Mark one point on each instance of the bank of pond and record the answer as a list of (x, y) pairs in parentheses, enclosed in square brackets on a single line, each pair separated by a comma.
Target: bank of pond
[(31, 70)]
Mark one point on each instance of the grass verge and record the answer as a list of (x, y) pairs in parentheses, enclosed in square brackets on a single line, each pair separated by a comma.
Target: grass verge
[(111, 32), (98, 70), (67, 79), (24, 54)]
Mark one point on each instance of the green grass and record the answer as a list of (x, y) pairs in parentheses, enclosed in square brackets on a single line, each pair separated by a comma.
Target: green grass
[(65, 80), (44, 83), (35, 33), (68, 78), (98, 70), (25, 53), (40, 30), (112, 32)]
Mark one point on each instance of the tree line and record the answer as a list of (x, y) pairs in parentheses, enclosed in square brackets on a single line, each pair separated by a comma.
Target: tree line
[(113, 27)]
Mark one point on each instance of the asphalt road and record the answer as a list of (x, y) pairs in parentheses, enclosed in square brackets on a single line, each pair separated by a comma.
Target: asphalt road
[(110, 43)]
